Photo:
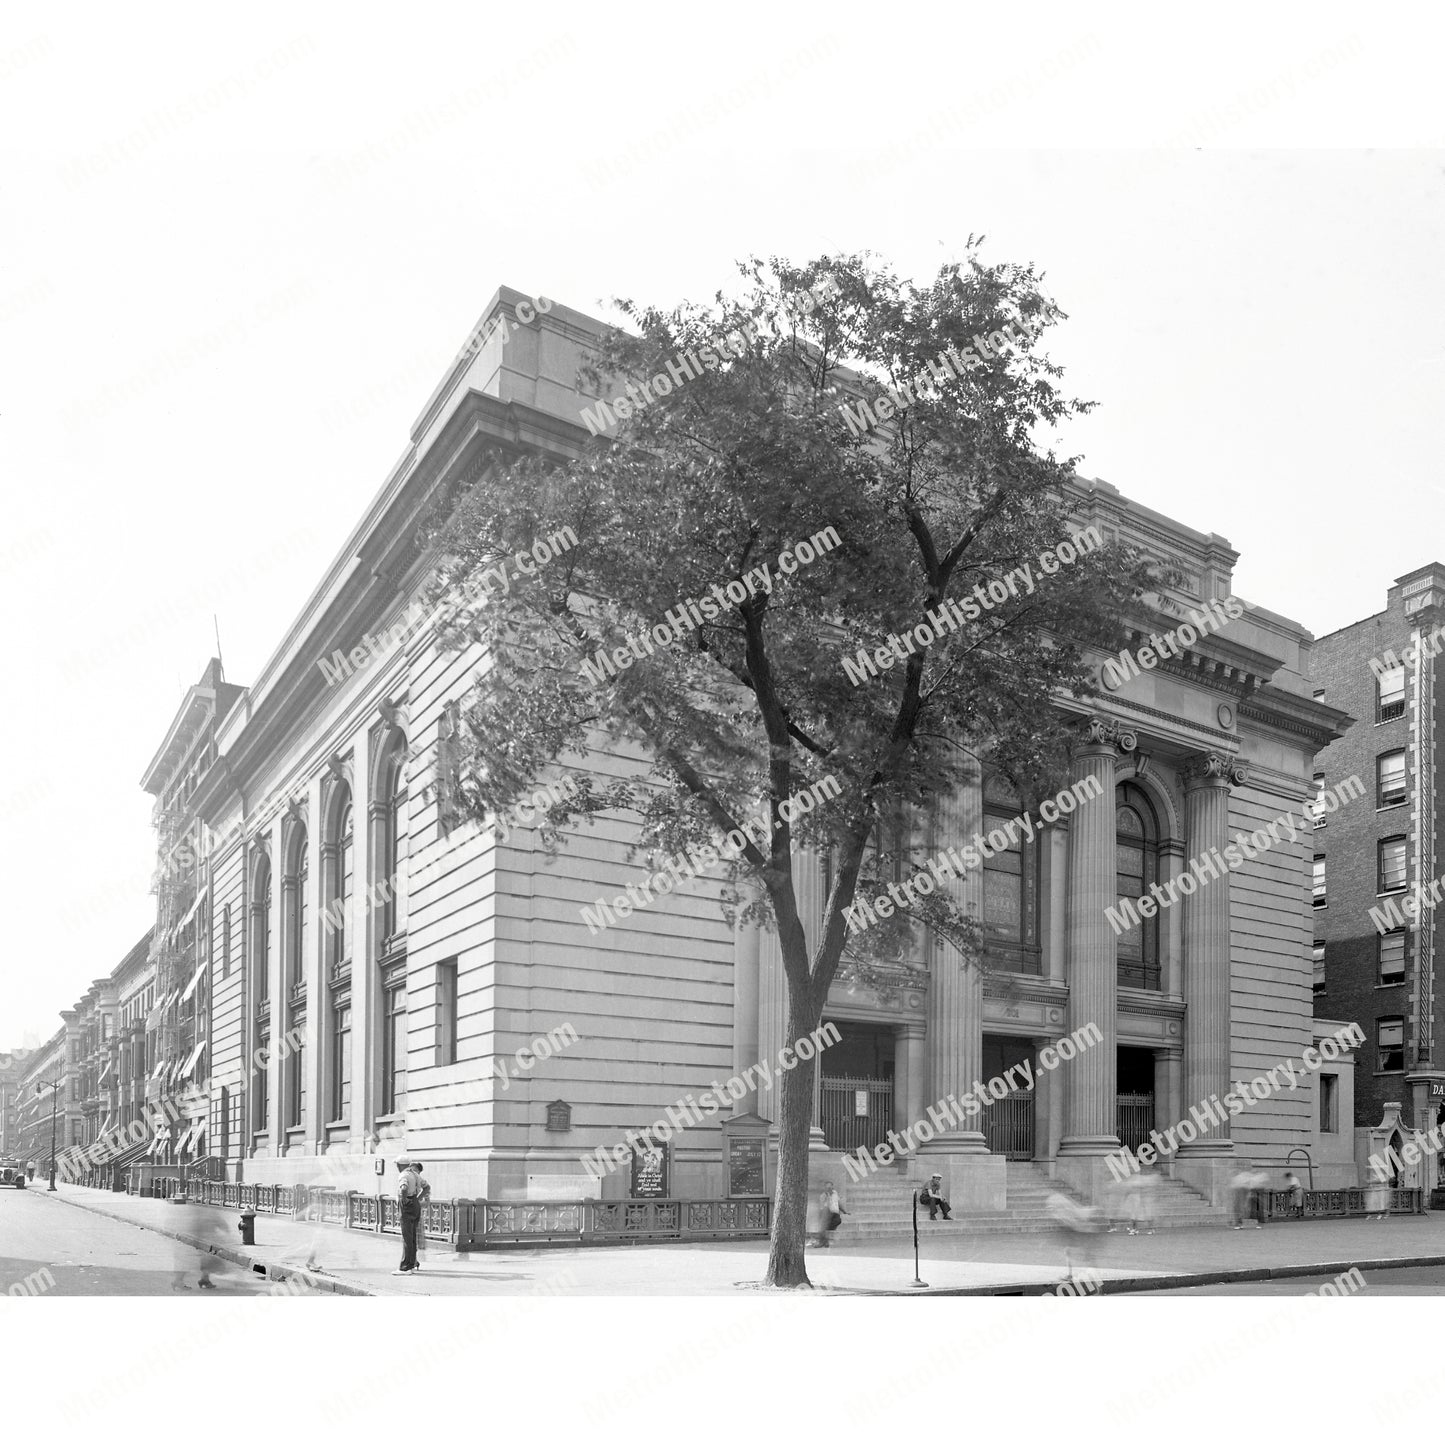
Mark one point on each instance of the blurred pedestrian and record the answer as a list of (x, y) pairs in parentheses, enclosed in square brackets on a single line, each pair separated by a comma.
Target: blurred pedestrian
[(830, 1213), (1239, 1187), (1080, 1226), (1296, 1193), (1144, 1200), (1259, 1186)]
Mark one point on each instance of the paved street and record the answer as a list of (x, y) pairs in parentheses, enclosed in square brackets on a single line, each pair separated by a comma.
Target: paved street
[(88, 1254), (1378, 1282)]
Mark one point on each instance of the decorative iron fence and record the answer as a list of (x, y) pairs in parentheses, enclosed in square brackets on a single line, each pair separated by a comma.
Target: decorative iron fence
[(621, 1221), (1008, 1124), (484, 1224), (1342, 1203), (856, 1113)]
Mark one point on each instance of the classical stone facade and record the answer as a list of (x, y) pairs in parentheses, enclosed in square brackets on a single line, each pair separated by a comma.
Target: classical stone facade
[(381, 980)]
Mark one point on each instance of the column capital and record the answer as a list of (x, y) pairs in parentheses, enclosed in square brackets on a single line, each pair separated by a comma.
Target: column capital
[(1213, 770), (1099, 733)]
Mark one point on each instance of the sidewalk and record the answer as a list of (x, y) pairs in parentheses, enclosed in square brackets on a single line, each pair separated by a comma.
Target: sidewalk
[(360, 1263)]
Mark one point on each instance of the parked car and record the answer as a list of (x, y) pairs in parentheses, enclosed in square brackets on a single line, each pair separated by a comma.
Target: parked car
[(12, 1171)]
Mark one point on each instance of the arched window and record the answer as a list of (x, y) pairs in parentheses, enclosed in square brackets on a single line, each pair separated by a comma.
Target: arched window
[(392, 957), (261, 932), (1137, 844), (261, 964), (296, 878), (394, 907), (339, 878), (1010, 883), (295, 974)]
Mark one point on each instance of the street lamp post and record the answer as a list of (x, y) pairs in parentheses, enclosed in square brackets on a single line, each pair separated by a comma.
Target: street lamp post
[(54, 1086)]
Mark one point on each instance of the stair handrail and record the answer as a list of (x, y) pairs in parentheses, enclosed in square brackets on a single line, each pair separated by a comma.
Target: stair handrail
[(1300, 1149)]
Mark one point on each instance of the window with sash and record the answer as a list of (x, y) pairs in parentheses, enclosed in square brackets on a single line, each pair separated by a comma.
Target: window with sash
[(1391, 953), (1137, 855), (1391, 695), (1391, 864), (1010, 885), (1390, 779), (1390, 1045)]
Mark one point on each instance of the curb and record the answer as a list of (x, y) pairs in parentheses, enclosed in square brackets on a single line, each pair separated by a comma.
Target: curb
[(1145, 1284), (273, 1272)]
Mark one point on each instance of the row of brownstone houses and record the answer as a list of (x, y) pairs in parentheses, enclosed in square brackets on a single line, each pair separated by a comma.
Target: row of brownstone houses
[(339, 970)]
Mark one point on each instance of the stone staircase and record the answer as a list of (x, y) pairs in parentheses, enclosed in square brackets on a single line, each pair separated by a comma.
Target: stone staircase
[(880, 1207)]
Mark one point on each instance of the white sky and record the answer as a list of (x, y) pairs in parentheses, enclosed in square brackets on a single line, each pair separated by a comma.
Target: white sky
[(235, 259)]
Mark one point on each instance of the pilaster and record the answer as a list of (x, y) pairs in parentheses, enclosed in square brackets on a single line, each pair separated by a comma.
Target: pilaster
[(1207, 780)]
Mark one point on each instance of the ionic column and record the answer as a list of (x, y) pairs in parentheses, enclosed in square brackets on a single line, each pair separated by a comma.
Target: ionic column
[(908, 1061), (955, 992), (1091, 1085), (1207, 781), (1168, 1085)]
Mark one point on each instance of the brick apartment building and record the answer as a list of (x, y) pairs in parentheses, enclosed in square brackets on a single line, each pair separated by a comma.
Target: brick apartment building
[(1376, 960)]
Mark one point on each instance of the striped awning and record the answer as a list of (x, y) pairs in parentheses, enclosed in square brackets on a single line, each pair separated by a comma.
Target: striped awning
[(195, 979), (191, 1062), (200, 898), (104, 1074)]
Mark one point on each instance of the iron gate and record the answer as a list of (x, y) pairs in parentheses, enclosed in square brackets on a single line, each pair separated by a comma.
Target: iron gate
[(1135, 1118), (857, 1113), (1008, 1124)]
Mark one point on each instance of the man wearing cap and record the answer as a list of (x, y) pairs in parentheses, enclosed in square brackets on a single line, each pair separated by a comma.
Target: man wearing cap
[(408, 1198), (932, 1195)]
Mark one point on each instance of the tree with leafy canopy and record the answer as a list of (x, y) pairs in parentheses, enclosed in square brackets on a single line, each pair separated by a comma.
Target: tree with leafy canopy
[(710, 477)]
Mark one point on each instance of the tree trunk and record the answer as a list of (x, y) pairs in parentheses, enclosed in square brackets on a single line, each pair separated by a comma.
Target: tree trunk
[(787, 1268)]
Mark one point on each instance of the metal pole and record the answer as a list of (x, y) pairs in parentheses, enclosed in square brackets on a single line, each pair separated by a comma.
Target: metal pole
[(53, 1090), (917, 1283)]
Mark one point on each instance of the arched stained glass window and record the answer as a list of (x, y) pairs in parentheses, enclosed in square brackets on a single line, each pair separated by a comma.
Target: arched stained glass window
[(1137, 847)]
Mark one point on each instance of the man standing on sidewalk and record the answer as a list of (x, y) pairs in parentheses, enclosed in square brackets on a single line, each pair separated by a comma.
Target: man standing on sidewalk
[(408, 1197)]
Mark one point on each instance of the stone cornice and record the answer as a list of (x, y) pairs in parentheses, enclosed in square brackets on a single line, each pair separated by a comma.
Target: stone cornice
[(380, 565), (1296, 717), (1026, 988), (1147, 1003)]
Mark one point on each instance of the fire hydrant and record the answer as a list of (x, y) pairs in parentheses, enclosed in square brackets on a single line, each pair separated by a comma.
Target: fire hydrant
[(247, 1226)]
